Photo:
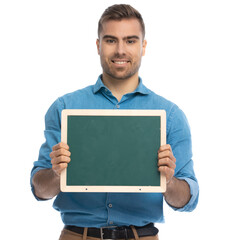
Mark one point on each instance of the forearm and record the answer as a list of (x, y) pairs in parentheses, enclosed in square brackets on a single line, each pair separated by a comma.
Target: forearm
[(46, 184), (178, 193)]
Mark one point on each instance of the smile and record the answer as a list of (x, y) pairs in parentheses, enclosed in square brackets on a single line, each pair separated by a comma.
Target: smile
[(120, 62)]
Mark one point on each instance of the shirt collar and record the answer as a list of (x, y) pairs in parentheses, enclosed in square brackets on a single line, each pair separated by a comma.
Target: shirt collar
[(140, 89)]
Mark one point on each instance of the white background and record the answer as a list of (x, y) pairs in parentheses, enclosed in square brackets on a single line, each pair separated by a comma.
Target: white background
[(47, 49)]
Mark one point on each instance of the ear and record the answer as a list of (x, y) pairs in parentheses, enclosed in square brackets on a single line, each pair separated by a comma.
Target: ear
[(144, 47), (98, 46)]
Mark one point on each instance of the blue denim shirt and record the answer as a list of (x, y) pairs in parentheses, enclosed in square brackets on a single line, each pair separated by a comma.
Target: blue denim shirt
[(106, 209)]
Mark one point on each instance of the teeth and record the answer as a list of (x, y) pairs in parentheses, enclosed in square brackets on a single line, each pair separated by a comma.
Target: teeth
[(120, 62)]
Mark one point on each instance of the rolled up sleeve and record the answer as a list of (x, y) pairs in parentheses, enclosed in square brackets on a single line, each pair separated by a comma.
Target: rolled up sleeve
[(52, 135), (194, 191), (179, 137)]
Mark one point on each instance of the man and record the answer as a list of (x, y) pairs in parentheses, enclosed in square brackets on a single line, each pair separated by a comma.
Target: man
[(121, 44)]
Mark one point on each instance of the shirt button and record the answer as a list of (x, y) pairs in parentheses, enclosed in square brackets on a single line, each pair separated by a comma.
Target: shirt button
[(110, 205), (111, 222), (117, 106)]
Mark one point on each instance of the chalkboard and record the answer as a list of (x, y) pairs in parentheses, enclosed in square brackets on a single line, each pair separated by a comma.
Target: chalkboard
[(113, 150)]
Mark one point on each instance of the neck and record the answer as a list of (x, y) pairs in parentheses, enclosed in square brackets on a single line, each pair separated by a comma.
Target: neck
[(120, 87)]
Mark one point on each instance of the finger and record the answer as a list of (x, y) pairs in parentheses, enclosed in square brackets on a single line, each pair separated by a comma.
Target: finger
[(59, 168), (60, 152), (164, 148), (60, 159), (60, 145), (166, 154), (168, 172), (166, 162)]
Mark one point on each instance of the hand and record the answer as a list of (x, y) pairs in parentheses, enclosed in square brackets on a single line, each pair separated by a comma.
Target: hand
[(60, 157), (166, 162)]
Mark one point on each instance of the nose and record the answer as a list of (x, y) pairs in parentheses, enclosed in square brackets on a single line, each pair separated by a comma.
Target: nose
[(120, 48)]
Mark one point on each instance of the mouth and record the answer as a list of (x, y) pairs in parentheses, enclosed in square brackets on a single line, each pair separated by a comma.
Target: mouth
[(120, 62)]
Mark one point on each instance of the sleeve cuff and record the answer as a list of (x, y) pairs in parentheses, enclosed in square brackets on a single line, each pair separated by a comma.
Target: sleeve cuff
[(194, 191), (34, 171)]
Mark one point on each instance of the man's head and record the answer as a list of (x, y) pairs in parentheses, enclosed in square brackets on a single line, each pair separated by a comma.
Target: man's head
[(119, 12), (121, 43)]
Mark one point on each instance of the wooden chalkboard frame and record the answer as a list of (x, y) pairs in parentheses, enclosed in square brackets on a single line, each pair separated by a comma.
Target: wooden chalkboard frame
[(87, 112)]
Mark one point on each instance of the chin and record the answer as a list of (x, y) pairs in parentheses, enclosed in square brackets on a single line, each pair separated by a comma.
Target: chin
[(121, 76)]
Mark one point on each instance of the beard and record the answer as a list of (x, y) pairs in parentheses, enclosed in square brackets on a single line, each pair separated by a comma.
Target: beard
[(120, 73)]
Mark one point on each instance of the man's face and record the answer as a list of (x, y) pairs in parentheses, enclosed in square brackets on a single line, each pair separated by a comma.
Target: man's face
[(121, 47)]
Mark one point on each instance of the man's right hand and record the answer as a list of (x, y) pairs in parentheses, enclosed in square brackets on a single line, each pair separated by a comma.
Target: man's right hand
[(60, 157)]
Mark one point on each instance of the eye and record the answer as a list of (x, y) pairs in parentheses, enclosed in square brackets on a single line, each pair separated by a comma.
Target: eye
[(111, 41), (131, 41)]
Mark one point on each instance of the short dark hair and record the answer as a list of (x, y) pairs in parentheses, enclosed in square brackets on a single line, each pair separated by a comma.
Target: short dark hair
[(119, 12)]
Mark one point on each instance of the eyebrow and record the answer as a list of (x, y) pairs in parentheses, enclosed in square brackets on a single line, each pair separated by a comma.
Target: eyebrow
[(128, 37)]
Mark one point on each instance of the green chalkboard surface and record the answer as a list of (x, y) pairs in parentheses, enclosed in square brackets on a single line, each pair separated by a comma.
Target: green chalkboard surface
[(113, 150)]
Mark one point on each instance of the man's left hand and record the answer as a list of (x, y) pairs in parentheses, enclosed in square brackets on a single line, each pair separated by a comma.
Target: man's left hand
[(166, 162)]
